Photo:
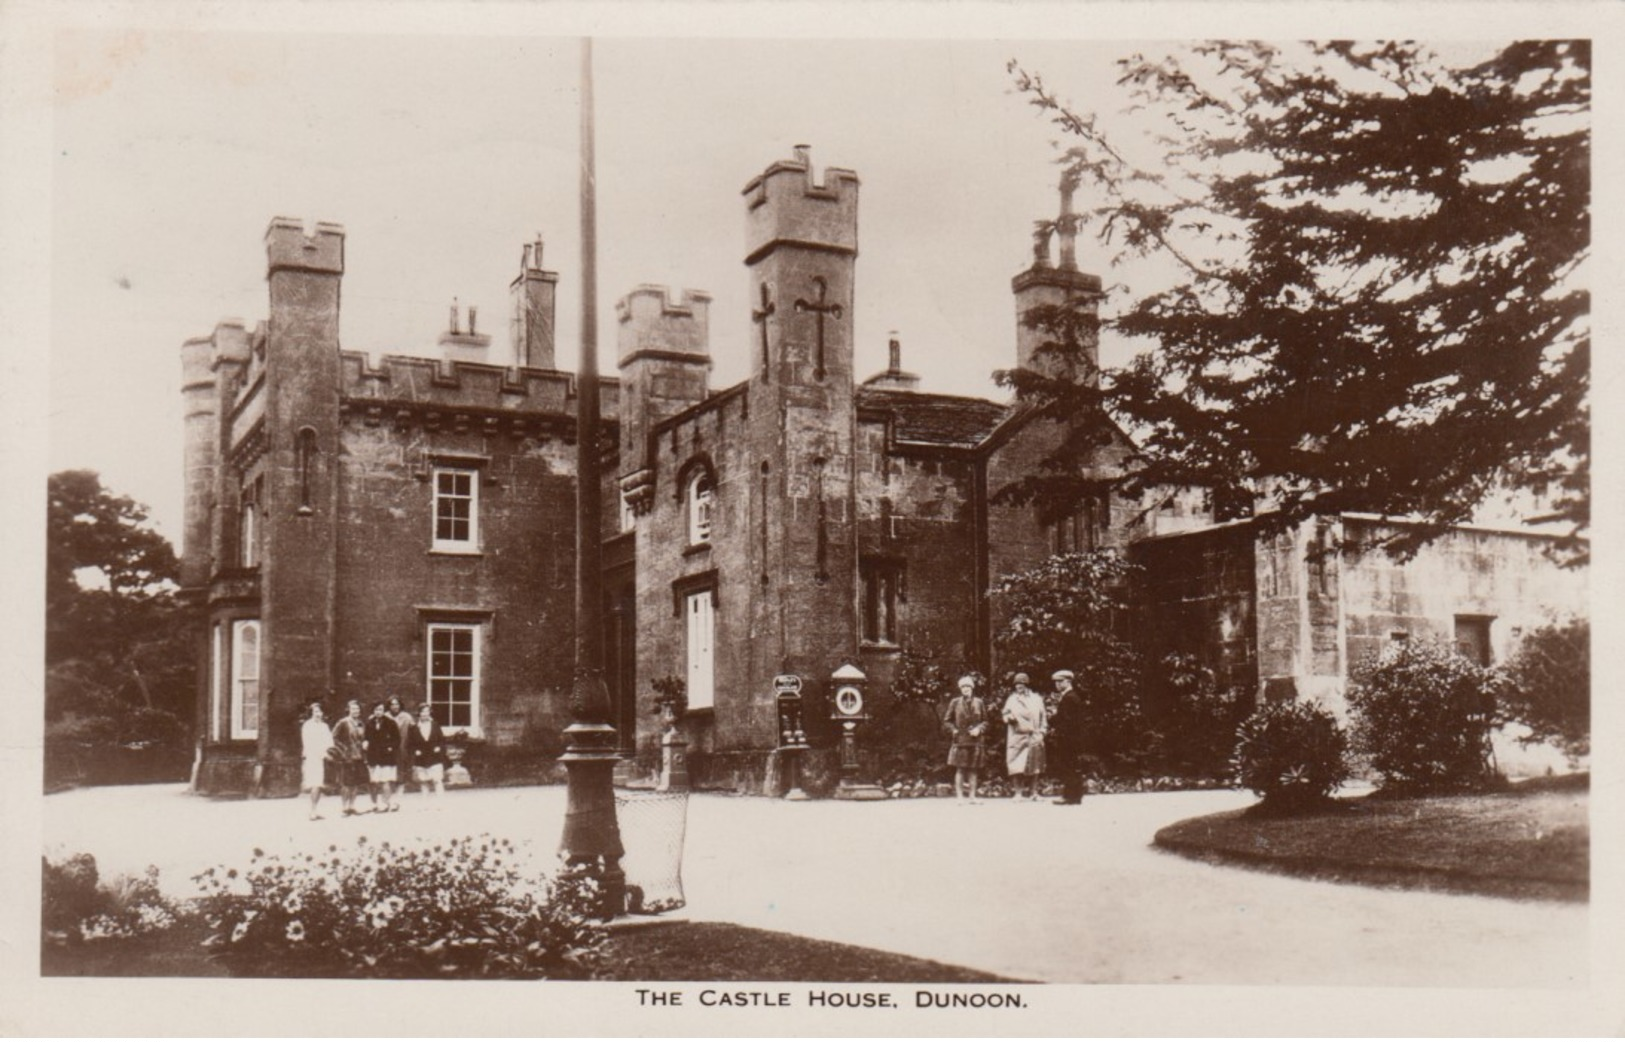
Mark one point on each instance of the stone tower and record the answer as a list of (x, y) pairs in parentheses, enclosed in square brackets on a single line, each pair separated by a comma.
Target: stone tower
[(299, 505), (801, 251), (665, 360)]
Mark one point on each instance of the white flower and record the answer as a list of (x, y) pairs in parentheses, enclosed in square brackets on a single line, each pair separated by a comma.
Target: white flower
[(239, 932), (296, 931), (293, 904)]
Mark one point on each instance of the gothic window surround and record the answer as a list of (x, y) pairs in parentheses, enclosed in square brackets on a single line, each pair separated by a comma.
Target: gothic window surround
[(307, 462), (245, 678), (700, 633), (881, 580), (456, 510), (699, 501), (694, 601), (248, 524)]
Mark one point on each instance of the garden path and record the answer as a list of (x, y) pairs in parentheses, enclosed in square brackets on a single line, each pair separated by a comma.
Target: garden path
[(1028, 890)]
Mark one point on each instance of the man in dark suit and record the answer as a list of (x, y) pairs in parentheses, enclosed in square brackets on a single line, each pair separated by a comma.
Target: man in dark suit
[(1066, 737)]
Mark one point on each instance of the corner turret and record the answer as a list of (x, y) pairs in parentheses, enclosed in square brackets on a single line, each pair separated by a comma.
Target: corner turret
[(665, 359)]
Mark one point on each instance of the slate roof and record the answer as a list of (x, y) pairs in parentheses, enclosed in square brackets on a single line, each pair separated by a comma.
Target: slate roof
[(944, 420)]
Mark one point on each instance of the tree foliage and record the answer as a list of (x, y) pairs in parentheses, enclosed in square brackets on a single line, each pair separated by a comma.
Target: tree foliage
[(1378, 303), (119, 653), (1550, 691), (1072, 611)]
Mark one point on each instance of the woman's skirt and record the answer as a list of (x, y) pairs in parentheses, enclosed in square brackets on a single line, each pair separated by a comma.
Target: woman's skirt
[(435, 773), (312, 773), (352, 774), (381, 772), (971, 756)]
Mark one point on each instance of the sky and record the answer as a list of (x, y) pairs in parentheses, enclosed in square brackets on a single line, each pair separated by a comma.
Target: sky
[(442, 155)]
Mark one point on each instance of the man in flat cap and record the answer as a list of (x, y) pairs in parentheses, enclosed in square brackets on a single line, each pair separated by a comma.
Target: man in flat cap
[(1066, 737)]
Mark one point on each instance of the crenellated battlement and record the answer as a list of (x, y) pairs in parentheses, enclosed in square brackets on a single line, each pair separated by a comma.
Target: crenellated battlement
[(402, 381), (787, 205), (288, 247), (653, 319)]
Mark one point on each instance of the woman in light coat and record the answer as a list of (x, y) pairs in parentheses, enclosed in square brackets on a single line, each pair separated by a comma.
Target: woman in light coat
[(314, 742), (1025, 722)]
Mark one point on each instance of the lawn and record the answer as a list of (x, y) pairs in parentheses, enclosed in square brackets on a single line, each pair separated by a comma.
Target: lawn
[(1529, 842), (652, 951)]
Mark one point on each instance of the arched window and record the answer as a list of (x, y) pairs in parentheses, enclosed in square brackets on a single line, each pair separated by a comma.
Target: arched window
[(245, 678), (306, 447), (701, 499)]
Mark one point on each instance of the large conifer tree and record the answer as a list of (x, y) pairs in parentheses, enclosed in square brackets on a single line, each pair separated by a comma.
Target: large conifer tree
[(1379, 301)]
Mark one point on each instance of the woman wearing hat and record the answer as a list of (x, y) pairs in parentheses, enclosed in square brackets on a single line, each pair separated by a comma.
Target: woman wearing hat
[(1025, 722), (966, 723)]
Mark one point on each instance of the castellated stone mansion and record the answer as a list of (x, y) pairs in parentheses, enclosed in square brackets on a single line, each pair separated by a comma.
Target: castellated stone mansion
[(407, 528)]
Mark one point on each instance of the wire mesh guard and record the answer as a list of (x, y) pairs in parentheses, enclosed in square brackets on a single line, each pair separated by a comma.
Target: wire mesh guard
[(652, 830)]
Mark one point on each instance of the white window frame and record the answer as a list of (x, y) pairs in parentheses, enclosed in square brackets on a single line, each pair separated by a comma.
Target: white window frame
[(628, 517), (700, 497), (700, 639), (471, 543), (217, 671), (476, 635), (245, 723), (248, 552)]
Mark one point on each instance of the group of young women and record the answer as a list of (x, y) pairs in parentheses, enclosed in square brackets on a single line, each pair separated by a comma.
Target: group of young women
[(1037, 731), (391, 747)]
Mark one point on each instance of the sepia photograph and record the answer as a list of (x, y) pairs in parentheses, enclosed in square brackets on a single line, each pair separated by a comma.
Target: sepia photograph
[(903, 520)]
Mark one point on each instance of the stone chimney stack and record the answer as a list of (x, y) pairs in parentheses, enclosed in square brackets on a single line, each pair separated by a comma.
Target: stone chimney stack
[(1042, 286), (459, 346), (533, 293), (894, 378)]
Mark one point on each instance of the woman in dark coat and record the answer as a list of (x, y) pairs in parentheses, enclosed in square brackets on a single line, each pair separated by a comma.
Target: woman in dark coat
[(427, 746), (404, 720), (383, 757)]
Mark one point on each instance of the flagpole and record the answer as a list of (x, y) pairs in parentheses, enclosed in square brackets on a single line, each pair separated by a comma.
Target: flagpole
[(592, 834)]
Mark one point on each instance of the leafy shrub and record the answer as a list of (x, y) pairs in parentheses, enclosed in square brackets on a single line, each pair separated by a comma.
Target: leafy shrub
[(1550, 689), (1293, 754), (1422, 716), (456, 909), (75, 906), (1071, 611), (1196, 719)]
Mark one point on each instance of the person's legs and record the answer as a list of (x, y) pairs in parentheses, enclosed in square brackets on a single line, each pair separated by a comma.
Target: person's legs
[(315, 797), (970, 774)]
